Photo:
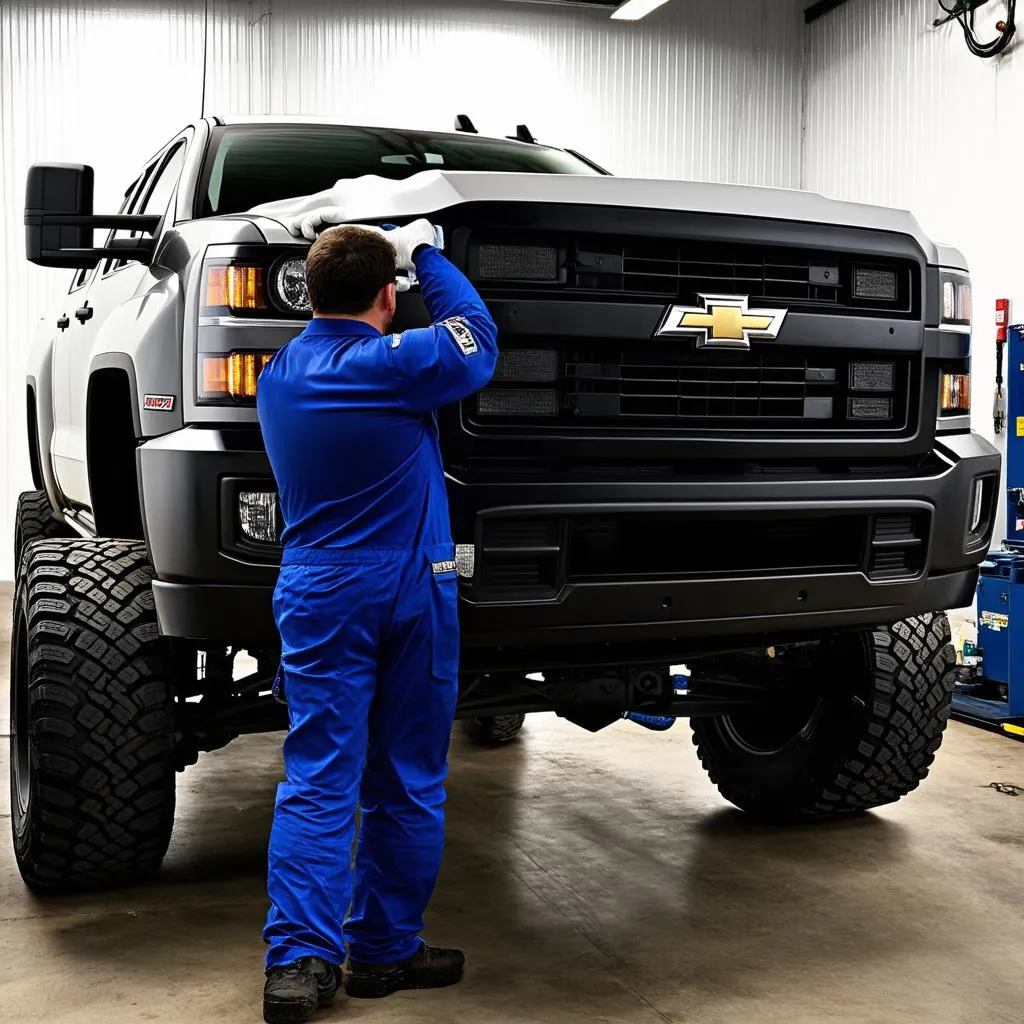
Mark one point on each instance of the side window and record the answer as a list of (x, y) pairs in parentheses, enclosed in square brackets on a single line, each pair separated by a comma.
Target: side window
[(166, 180), (155, 194), (81, 276)]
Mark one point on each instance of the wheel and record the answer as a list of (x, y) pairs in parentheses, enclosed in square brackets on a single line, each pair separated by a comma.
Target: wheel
[(494, 731), (92, 717), (34, 519), (865, 737)]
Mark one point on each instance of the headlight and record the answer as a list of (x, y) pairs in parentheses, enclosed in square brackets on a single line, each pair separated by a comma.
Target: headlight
[(956, 299), (290, 285)]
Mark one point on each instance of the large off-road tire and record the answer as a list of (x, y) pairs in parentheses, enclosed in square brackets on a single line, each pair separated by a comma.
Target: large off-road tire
[(866, 737), (34, 520), (494, 731), (92, 717)]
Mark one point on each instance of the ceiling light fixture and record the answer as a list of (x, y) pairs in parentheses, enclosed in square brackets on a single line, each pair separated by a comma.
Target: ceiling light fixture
[(634, 10)]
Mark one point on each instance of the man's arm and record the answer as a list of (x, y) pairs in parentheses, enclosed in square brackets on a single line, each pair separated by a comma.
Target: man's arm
[(435, 366)]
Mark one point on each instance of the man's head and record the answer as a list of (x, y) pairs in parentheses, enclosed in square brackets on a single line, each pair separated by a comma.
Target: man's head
[(351, 273)]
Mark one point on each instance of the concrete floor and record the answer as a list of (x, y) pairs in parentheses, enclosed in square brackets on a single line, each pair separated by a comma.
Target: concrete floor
[(591, 879)]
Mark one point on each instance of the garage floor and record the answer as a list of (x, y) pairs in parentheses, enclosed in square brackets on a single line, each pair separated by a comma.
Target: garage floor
[(591, 878)]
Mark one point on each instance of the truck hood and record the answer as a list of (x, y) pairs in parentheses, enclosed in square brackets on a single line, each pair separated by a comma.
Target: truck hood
[(372, 198)]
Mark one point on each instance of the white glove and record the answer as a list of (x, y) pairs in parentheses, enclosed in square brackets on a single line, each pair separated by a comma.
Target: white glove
[(408, 239), (310, 224)]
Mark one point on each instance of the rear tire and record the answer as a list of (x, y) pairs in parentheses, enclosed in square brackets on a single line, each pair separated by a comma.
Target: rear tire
[(34, 520), (92, 717), (494, 731), (866, 738)]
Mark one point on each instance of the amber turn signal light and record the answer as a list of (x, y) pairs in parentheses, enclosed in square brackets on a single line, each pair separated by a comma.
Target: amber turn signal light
[(956, 392), (234, 375), (237, 287)]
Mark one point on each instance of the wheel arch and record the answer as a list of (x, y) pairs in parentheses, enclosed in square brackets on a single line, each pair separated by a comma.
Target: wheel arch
[(35, 460), (39, 425), (113, 431)]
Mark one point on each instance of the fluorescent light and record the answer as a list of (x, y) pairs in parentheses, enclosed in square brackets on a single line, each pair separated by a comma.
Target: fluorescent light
[(634, 10)]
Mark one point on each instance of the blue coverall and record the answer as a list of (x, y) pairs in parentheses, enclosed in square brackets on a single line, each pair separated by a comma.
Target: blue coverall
[(367, 609)]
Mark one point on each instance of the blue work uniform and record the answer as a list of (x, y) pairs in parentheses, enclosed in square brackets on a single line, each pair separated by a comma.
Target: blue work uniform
[(366, 605)]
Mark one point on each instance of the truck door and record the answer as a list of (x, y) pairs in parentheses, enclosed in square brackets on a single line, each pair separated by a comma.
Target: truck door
[(114, 282)]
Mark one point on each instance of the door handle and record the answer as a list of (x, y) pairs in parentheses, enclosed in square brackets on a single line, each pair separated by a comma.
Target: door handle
[(64, 322), (84, 313)]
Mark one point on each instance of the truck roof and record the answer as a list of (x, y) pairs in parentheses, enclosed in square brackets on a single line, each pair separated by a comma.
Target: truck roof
[(270, 120)]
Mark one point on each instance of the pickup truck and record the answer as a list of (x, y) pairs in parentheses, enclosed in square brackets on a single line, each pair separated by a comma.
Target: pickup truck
[(729, 429)]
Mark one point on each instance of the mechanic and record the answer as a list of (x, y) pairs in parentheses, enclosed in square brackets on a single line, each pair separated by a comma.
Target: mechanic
[(366, 605)]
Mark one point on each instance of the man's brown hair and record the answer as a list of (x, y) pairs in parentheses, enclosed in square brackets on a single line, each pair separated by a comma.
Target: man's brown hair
[(346, 267)]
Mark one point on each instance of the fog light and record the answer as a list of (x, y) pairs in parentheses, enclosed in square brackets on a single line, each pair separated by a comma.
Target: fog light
[(977, 506), (508, 402), (257, 514), (956, 392), (465, 560)]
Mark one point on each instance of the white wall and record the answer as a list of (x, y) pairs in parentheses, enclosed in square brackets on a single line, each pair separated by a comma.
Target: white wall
[(900, 114), (101, 83), (704, 88)]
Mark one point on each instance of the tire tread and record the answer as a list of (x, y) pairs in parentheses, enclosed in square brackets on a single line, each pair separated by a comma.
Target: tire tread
[(909, 706), (102, 714)]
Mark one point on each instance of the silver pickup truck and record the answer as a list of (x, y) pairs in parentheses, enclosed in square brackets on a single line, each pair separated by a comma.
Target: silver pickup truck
[(729, 429)]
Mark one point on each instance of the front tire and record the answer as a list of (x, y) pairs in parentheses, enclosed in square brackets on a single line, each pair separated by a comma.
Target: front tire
[(92, 717), (867, 737), (34, 520)]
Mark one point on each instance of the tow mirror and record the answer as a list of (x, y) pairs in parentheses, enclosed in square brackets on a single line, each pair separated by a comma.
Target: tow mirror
[(59, 222)]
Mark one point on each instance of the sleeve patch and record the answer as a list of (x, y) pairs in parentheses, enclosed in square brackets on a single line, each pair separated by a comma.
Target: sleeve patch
[(461, 335), (396, 341)]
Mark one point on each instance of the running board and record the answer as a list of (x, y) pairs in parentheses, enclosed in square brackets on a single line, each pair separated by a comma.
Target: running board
[(81, 522)]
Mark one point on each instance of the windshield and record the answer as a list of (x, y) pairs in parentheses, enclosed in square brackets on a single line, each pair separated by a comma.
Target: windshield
[(253, 164)]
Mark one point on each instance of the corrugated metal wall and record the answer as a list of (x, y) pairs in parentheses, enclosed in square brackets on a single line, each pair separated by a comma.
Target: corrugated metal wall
[(704, 89), (902, 114)]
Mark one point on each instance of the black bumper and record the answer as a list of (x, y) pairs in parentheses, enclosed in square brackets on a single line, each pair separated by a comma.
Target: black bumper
[(211, 588)]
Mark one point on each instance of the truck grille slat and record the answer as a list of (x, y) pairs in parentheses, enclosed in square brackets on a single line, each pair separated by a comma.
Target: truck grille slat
[(608, 385), (682, 269)]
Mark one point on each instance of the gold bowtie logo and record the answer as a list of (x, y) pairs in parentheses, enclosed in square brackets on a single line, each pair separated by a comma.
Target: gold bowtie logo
[(724, 321)]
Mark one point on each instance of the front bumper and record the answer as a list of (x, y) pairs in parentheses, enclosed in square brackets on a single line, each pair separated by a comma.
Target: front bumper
[(209, 590)]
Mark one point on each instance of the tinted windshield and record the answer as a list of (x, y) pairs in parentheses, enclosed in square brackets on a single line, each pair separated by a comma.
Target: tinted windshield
[(253, 164)]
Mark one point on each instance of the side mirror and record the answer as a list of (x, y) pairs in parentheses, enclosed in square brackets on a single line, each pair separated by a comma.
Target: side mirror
[(59, 222)]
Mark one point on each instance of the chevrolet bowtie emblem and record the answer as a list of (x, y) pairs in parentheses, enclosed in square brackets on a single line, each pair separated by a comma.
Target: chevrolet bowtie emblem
[(724, 321)]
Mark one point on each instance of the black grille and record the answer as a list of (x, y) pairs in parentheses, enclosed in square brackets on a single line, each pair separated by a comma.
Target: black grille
[(651, 385), (536, 556), (646, 546), (682, 270)]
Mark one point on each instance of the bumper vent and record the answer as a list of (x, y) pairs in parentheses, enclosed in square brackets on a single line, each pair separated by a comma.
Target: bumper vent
[(533, 557), (898, 546)]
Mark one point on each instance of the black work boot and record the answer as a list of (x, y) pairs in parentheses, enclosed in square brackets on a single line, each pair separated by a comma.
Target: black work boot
[(429, 968), (294, 991)]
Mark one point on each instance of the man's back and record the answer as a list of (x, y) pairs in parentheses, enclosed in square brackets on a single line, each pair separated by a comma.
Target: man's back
[(347, 416)]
